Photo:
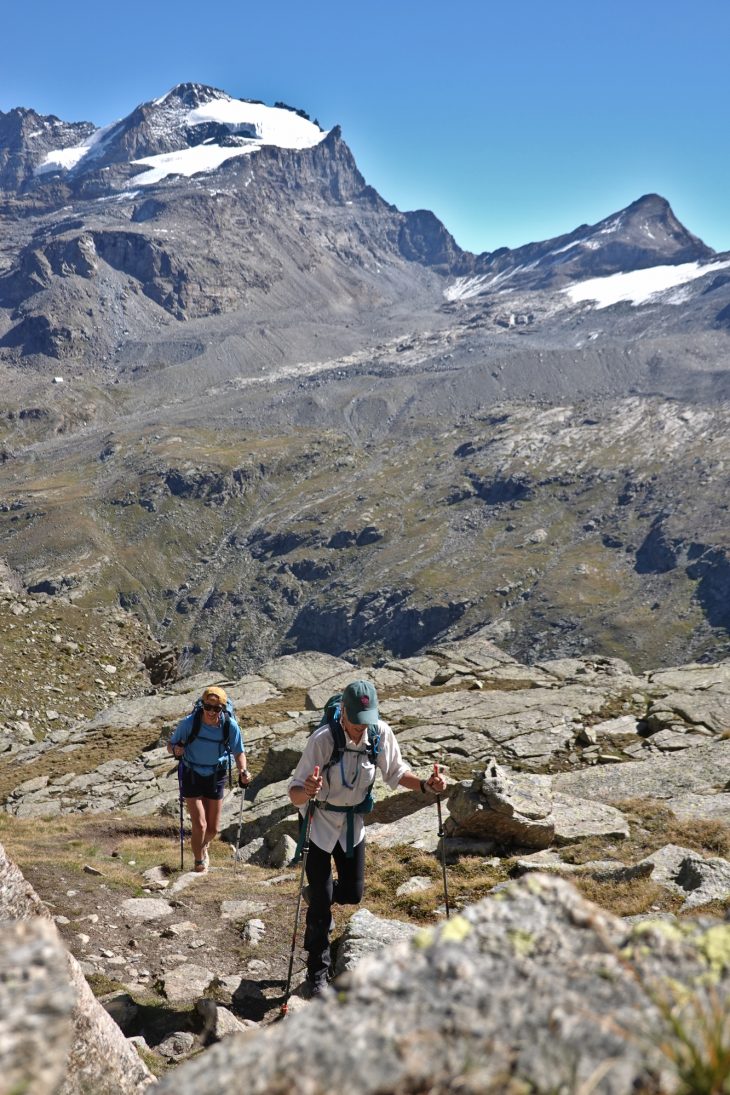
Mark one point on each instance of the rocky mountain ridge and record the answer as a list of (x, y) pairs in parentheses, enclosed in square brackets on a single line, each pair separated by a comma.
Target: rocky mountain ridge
[(83, 158), (645, 234), (264, 377)]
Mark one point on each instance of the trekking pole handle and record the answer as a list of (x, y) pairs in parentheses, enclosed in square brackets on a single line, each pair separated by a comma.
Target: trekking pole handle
[(436, 773), (314, 776)]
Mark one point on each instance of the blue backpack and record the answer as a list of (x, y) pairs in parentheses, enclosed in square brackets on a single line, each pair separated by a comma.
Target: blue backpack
[(228, 714)]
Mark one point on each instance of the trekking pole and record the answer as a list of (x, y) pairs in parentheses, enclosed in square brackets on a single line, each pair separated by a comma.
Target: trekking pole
[(182, 826), (305, 852), (443, 845), (240, 822)]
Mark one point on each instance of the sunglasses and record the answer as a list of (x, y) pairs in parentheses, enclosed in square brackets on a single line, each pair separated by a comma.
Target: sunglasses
[(212, 707)]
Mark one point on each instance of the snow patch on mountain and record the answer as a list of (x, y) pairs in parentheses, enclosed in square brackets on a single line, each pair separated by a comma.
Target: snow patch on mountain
[(272, 125), (466, 288), (255, 123), (64, 159), (640, 286), (188, 161)]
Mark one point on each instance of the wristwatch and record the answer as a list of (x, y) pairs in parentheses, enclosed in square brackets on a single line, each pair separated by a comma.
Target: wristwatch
[(424, 785)]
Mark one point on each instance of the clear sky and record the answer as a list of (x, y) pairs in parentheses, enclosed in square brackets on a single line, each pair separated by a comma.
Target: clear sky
[(512, 121)]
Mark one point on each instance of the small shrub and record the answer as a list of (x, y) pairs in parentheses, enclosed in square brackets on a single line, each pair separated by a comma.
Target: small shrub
[(697, 1041)]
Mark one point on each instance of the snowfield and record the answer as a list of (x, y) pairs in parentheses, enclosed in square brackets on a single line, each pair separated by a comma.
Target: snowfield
[(273, 125), (188, 161), (639, 286)]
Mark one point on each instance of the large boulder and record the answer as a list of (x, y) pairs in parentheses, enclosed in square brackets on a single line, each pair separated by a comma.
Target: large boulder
[(533, 989), (699, 771), (367, 934), (500, 807), (36, 1007), (689, 875), (419, 829), (93, 1056), (307, 669)]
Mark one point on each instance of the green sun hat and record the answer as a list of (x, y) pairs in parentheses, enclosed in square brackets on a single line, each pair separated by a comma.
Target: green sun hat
[(360, 701)]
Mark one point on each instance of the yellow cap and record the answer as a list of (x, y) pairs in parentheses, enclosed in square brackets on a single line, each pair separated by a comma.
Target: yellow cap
[(217, 694)]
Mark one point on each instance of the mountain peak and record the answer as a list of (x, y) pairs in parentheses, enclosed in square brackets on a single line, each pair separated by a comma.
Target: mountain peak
[(27, 137), (644, 234), (653, 203), (192, 128), (650, 228), (191, 95)]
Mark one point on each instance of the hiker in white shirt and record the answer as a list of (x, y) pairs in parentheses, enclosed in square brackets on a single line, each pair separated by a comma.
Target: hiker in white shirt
[(339, 796)]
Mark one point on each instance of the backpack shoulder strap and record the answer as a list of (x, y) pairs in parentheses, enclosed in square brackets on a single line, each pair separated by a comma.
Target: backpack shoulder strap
[(197, 719), (339, 747), (373, 743), (338, 744)]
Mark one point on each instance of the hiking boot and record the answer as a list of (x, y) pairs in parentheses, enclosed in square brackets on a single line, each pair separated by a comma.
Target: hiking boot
[(200, 866), (311, 989)]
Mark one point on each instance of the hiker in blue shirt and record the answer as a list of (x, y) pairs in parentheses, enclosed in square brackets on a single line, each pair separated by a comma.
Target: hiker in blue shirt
[(341, 792), (205, 757)]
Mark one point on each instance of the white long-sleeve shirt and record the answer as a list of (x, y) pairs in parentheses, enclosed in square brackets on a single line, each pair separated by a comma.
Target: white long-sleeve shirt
[(329, 827)]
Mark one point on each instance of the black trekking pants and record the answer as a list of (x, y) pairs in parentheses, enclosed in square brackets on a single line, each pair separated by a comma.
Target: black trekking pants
[(324, 892)]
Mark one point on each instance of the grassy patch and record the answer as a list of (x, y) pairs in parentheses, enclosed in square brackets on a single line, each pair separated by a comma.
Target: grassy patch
[(652, 825), (698, 1044), (100, 984), (614, 707), (470, 879), (156, 1065), (632, 897)]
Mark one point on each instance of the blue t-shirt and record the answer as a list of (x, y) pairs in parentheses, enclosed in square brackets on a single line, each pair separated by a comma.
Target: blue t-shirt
[(207, 752)]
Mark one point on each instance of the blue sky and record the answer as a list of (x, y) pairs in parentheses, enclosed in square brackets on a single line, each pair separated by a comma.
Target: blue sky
[(513, 121)]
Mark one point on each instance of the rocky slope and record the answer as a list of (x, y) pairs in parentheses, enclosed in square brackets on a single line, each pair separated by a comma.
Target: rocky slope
[(572, 767), (537, 991), (560, 525), (54, 1035)]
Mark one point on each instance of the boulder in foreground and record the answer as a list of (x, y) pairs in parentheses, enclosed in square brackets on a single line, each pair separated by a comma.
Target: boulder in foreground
[(531, 989)]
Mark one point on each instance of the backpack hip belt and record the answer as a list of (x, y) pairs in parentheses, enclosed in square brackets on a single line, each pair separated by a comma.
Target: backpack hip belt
[(217, 770), (363, 807)]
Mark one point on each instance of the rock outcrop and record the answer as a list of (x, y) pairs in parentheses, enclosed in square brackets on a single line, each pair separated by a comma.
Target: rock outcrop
[(538, 990), (59, 1037)]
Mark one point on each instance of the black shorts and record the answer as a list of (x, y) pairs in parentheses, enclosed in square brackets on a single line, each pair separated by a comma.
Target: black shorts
[(197, 786)]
